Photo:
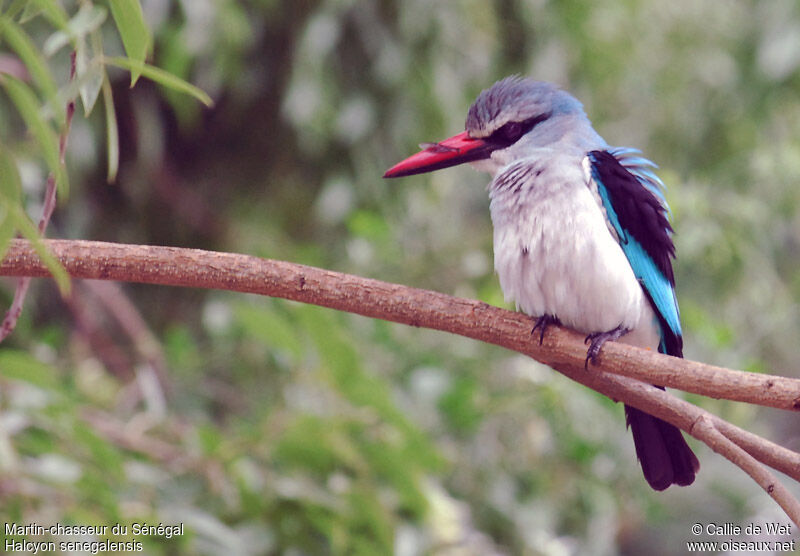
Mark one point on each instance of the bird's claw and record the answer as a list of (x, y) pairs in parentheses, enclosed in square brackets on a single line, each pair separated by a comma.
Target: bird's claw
[(596, 340), (542, 323)]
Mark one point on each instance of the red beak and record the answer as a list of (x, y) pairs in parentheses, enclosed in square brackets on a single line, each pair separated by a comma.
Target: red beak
[(450, 152)]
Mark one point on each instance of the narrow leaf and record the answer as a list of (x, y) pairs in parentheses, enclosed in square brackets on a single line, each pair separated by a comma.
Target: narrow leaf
[(10, 182), (29, 231), (29, 12), (88, 19), (10, 197), (162, 78), (133, 30), (7, 230), (28, 106), (15, 8), (52, 11), (90, 76), (112, 131), (56, 42), (19, 41)]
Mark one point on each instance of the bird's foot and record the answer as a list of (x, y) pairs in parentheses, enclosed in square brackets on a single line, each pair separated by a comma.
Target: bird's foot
[(596, 341), (542, 323)]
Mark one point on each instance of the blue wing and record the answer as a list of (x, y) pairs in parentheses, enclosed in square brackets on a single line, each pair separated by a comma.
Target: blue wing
[(635, 206)]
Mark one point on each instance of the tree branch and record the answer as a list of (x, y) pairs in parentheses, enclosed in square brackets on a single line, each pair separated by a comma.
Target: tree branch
[(624, 373), (706, 429)]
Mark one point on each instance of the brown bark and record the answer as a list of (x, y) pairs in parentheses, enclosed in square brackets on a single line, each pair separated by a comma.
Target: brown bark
[(624, 372)]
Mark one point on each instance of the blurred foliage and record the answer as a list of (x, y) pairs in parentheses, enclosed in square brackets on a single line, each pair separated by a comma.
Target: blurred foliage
[(267, 427)]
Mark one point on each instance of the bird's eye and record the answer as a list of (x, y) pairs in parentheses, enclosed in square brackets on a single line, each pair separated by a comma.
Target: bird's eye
[(511, 131)]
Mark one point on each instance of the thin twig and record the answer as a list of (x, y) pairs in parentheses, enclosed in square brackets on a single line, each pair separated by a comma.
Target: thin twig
[(706, 429), (130, 320), (15, 310)]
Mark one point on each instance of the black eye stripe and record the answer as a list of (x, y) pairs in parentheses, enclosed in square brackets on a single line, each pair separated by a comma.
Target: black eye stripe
[(510, 133)]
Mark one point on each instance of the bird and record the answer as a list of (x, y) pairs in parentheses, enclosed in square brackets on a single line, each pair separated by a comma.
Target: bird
[(581, 236)]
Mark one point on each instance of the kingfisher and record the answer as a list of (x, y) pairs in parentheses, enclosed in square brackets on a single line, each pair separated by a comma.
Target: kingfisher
[(582, 236)]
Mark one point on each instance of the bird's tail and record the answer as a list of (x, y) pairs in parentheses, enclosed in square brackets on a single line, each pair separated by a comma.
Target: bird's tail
[(665, 457)]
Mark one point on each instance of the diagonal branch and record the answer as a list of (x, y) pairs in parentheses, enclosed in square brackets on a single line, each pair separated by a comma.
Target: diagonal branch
[(624, 372), (707, 430), (173, 266)]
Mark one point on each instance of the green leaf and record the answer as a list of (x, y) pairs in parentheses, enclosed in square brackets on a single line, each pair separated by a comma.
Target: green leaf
[(7, 230), (134, 32), (89, 74), (29, 231), (161, 77), (15, 8), (10, 182), (10, 198), (56, 42), (85, 80), (112, 130), (88, 19), (271, 326), (19, 365), (23, 46), (29, 12), (28, 106), (51, 10)]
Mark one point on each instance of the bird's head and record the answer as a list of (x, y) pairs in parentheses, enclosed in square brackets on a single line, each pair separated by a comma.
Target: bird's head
[(506, 121)]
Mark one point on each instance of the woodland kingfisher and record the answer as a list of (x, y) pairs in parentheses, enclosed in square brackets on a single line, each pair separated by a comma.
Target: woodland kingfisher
[(582, 236)]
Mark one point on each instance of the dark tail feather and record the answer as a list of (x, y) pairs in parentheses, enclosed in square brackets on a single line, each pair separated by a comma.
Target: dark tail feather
[(665, 457)]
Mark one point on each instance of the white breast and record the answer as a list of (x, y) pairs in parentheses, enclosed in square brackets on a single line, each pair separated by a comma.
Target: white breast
[(555, 255)]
